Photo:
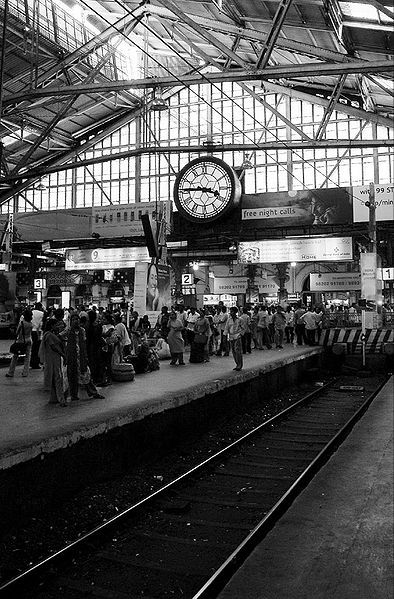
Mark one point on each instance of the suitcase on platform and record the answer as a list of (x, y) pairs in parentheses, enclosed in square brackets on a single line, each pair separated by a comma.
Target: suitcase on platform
[(123, 372)]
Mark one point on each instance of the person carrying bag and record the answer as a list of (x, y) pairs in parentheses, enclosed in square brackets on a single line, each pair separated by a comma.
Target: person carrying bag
[(22, 345)]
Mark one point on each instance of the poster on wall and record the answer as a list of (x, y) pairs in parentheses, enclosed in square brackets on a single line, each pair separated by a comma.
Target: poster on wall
[(300, 249), (125, 219), (292, 208), (105, 258), (152, 288), (384, 200)]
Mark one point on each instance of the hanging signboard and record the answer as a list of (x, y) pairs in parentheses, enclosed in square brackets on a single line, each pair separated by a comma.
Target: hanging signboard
[(296, 250), (335, 281), (124, 220), (384, 200), (369, 280), (152, 289), (240, 284), (292, 208), (105, 258)]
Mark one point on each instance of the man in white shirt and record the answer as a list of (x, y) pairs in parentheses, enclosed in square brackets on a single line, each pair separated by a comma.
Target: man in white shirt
[(37, 322), (234, 329)]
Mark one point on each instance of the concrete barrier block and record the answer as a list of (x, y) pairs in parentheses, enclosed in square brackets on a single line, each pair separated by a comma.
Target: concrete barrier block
[(388, 348), (339, 349)]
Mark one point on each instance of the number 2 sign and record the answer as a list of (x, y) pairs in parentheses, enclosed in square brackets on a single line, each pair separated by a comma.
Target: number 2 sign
[(187, 279)]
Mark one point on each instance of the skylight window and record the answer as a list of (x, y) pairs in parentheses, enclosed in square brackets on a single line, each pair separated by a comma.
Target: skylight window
[(364, 12)]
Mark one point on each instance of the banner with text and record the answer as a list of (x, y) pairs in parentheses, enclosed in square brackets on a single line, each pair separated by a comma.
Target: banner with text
[(124, 220), (296, 250), (370, 286), (335, 281), (239, 285), (292, 208), (332, 206), (105, 258), (384, 200)]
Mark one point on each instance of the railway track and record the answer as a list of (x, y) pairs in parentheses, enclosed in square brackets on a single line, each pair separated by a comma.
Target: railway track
[(186, 539)]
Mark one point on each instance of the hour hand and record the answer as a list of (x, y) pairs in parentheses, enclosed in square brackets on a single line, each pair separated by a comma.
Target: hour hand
[(198, 188)]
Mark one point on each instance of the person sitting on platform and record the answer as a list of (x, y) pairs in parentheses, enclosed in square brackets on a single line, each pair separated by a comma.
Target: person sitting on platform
[(162, 348)]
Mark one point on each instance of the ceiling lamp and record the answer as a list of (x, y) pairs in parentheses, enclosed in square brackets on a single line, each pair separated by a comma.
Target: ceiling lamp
[(246, 164), (41, 186), (158, 103)]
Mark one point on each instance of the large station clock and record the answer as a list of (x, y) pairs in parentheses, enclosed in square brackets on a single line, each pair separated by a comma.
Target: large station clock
[(206, 189)]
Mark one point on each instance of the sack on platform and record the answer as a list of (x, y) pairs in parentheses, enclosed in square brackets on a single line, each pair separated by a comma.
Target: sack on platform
[(200, 338), (123, 372), (84, 377), (18, 347)]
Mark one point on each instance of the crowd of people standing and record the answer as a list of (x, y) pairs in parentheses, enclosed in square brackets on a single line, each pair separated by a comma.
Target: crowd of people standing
[(79, 348)]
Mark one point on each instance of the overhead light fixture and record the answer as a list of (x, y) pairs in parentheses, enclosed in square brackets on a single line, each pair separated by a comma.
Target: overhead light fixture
[(233, 247), (246, 164), (158, 103), (41, 186)]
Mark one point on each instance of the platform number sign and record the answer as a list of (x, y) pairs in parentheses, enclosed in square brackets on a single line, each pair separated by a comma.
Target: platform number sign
[(39, 284), (187, 279), (388, 274)]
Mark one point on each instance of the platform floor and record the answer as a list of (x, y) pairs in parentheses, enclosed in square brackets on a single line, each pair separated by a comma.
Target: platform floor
[(336, 540), (30, 426)]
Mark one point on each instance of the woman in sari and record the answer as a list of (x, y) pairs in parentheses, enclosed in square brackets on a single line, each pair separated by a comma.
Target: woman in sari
[(78, 372), (53, 350), (199, 349), (175, 340)]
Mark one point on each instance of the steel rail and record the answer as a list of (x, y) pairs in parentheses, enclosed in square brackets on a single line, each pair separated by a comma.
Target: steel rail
[(10, 587), (223, 574)]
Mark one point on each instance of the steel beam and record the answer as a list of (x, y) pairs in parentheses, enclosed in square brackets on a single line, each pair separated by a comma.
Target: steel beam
[(332, 103), (270, 42), (274, 72), (91, 45), (349, 110), (203, 33), (216, 148)]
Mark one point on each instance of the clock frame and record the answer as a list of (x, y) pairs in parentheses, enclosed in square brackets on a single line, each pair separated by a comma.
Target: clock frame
[(206, 189)]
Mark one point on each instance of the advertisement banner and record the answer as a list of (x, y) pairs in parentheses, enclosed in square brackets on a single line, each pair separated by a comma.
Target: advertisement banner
[(292, 208), (368, 266), (233, 285), (124, 220), (335, 281), (152, 288), (296, 250), (384, 200), (7, 290), (105, 258)]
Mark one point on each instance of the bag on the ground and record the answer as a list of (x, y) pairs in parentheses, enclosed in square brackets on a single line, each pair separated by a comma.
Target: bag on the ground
[(84, 377), (200, 338), (123, 371)]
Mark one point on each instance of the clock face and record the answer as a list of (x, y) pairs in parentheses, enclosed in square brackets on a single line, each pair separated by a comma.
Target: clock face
[(206, 189)]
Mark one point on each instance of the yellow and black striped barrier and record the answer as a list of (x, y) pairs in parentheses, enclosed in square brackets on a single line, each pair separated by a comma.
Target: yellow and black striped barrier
[(376, 340)]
